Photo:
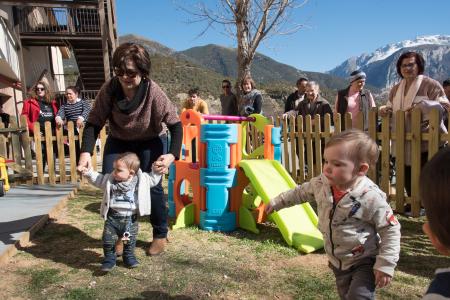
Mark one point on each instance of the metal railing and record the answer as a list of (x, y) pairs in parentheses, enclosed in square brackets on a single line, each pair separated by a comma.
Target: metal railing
[(58, 20)]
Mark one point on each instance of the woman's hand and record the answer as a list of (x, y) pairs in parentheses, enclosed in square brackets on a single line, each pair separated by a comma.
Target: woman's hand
[(163, 163), (85, 162), (385, 111)]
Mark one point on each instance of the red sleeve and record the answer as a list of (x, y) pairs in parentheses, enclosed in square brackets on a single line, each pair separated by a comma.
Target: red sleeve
[(26, 112), (55, 107)]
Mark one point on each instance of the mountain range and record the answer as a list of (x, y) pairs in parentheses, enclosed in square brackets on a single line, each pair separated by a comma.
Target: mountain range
[(380, 65), (206, 66)]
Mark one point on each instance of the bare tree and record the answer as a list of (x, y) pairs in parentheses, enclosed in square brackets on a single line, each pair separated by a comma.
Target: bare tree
[(249, 22)]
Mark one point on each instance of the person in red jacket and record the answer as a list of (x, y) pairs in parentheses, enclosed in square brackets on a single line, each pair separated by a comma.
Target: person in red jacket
[(40, 107)]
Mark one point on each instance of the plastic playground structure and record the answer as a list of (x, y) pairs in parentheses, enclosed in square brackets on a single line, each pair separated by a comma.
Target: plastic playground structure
[(229, 187)]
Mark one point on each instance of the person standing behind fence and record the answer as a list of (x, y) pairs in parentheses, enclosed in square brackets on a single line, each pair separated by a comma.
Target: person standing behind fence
[(40, 107), (136, 109), (314, 104), (413, 88), (251, 98), (355, 99), (195, 102), (228, 100), (292, 101), (75, 110)]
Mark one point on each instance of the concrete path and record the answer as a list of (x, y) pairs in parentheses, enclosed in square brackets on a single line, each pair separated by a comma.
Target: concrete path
[(24, 210)]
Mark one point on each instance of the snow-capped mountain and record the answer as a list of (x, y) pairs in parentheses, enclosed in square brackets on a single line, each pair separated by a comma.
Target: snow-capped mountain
[(380, 65)]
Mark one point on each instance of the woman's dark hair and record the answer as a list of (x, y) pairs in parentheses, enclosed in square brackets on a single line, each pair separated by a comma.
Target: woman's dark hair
[(74, 89), (48, 93), (247, 78), (134, 52), (194, 91), (434, 194), (419, 61)]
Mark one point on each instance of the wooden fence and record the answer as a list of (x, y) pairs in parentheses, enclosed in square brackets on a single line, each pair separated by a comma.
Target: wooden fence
[(307, 141), (26, 160), (310, 138)]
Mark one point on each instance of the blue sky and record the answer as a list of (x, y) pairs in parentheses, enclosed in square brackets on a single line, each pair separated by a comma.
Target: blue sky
[(335, 29)]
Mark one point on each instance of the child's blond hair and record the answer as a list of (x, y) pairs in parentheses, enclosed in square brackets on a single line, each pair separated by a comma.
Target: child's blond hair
[(131, 160), (363, 147), (434, 194)]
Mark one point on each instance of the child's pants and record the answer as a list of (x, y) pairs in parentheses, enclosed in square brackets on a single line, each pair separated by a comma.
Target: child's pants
[(358, 282), (115, 226)]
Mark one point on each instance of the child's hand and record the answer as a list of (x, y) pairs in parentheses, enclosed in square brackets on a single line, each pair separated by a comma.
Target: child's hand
[(269, 208), (84, 171), (381, 279)]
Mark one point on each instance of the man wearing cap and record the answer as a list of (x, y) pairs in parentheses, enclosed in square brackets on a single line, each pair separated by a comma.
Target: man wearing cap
[(355, 99)]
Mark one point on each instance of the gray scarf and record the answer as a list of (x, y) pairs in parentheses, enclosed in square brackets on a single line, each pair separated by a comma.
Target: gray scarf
[(123, 187), (247, 100)]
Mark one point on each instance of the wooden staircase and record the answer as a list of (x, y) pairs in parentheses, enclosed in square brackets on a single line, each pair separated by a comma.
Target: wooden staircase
[(87, 27)]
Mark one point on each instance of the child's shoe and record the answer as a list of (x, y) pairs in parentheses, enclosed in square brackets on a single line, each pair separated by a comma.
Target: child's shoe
[(108, 263), (130, 261)]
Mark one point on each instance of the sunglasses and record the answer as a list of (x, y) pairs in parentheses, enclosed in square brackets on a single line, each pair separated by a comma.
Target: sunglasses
[(129, 73), (39, 89), (225, 86)]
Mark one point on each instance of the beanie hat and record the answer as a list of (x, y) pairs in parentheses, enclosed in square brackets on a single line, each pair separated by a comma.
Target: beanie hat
[(356, 75)]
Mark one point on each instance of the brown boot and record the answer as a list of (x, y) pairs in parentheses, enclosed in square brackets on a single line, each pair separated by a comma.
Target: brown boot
[(157, 247), (119, 248)]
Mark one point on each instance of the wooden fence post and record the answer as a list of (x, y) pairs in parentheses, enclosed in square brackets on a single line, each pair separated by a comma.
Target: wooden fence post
[(61, 156), (400, 160), (50, 158), (38, 153), (293, 142), (416, 155), (301, 148), (317, 146), (72, 152)]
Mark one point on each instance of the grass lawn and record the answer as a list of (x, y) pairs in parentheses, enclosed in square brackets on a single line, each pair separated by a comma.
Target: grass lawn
[(64, 258)]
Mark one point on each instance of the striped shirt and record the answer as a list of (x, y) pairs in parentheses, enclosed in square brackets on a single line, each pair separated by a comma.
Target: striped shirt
[(72, 111)]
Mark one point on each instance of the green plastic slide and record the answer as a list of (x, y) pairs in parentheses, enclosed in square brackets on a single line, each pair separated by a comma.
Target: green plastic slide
[(298, 224)]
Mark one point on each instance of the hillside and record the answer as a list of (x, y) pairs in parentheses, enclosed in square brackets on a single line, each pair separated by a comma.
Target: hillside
[(264, 69)]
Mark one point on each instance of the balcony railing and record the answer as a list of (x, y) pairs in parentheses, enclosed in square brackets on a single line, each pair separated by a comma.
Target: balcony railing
[(58, 20)]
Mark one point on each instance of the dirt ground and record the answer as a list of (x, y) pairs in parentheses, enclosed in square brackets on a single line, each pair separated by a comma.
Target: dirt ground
[(63, 260)]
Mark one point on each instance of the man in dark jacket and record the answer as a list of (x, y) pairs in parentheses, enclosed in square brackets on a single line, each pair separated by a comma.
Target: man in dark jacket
[(294, 99)]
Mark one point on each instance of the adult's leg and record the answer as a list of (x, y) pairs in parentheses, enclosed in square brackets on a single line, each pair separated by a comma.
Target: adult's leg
[(149, 153), (158, 218)]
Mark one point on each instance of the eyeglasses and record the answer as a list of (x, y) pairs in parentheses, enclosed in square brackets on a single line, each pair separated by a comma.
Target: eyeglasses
[(39, 89), (226, 86), (409, 66), (129, 73)]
